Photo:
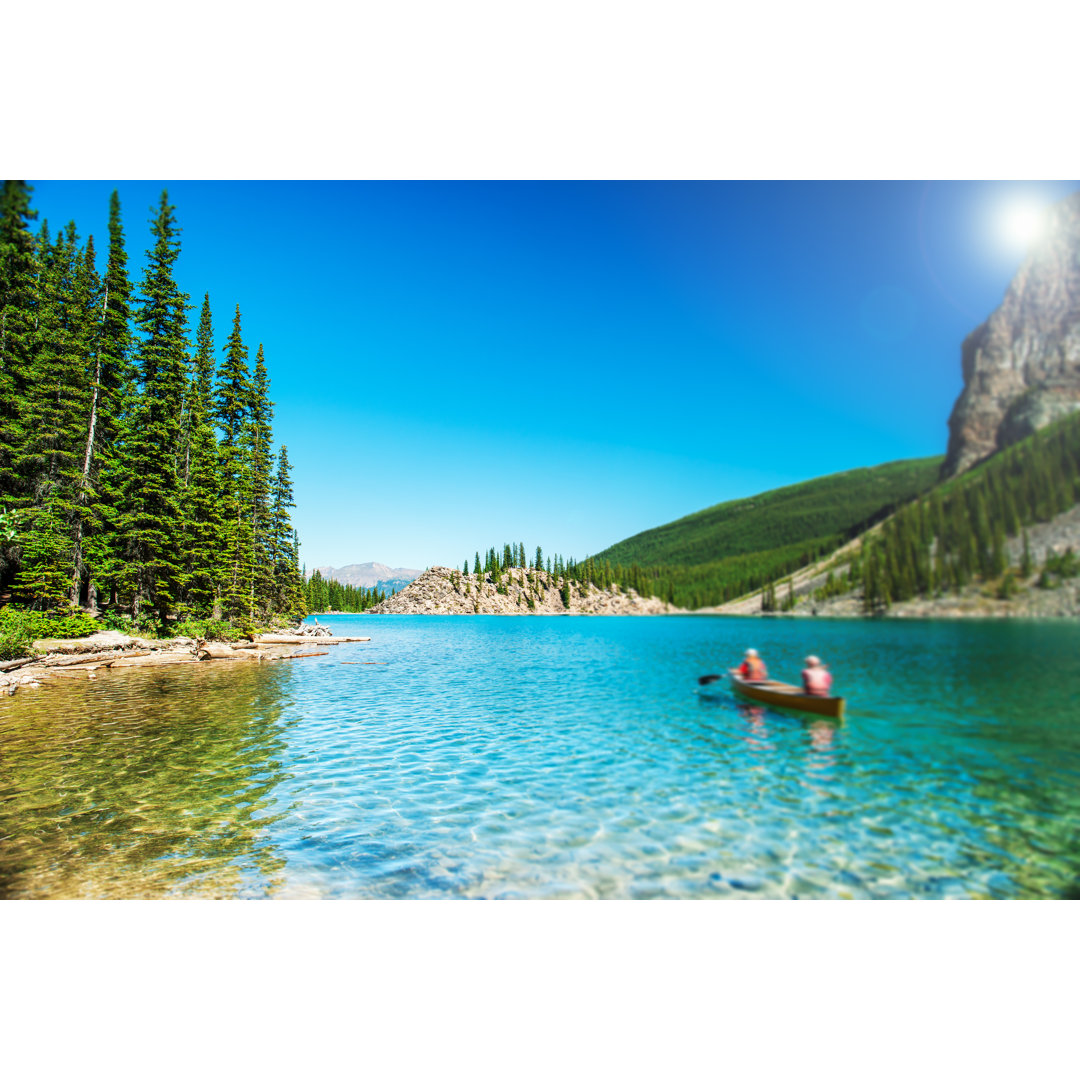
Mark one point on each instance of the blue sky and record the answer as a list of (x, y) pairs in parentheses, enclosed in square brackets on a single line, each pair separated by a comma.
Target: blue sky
[(456, 365)]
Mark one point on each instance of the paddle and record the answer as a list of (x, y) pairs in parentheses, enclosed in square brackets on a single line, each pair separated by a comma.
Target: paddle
[(704, 680)]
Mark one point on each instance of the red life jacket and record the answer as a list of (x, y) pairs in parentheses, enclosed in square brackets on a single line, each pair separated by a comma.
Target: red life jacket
[(816, 681), (753, 669)]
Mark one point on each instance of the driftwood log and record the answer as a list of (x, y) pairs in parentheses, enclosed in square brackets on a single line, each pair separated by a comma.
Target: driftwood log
[(92, 658), (12, 665), (155, 660)]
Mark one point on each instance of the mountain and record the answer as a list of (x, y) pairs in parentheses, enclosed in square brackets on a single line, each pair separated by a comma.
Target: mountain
[(1022, 366), (370, 575)]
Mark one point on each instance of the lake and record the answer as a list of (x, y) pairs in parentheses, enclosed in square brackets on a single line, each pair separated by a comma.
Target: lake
[(549, 757)]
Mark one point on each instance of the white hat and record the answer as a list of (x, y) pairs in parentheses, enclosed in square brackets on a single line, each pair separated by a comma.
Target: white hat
[(812, 661), (751, 652)]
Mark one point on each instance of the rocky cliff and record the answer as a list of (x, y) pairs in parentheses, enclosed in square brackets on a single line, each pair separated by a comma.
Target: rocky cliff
[(1022, 366), (442, 591)]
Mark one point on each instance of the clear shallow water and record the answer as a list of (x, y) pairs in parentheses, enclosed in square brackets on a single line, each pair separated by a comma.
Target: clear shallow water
[(558, 757)]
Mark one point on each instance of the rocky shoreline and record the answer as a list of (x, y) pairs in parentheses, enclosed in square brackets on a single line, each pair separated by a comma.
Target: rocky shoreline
[(445, 591), (83, 658)]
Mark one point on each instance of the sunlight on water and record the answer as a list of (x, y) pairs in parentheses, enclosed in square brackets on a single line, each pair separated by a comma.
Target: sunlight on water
[(557, 757)]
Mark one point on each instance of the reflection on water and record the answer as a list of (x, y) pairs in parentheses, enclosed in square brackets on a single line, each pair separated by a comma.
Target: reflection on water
[(143, 783), (548, 757)]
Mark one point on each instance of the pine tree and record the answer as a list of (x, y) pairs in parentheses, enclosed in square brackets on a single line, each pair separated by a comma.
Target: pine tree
[(231, 404), (203, 527), (49, 458), (288, 593), (18, 297), (259, 437), (152, 518), (106, 550)]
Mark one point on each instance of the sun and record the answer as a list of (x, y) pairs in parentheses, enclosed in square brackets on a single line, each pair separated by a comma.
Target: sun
[(1022, 222)]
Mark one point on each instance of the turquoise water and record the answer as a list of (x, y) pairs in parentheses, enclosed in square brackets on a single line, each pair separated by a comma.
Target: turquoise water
[(558, 757)]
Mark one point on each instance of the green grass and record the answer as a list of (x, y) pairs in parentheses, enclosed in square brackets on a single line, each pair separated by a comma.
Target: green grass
[(816, 513)]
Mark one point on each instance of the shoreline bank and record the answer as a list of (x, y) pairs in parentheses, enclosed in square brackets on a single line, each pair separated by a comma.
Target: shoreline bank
[(83, 658)]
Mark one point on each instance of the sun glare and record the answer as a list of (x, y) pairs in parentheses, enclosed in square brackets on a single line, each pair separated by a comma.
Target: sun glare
[(1021, 223)]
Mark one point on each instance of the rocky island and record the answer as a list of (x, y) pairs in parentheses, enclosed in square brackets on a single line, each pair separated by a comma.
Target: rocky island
[(514, 591)]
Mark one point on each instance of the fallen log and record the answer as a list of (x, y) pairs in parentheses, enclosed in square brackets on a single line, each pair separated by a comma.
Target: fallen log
[(156, 660), (92, 658), (11, 665), (301, 655)]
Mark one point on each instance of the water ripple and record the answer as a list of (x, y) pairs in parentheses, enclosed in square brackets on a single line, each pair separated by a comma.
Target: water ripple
[(556, 758)]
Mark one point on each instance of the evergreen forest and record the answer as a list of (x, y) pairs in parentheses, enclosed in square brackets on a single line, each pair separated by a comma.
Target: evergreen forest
[(137, 465), (325, 594), (957, 534)]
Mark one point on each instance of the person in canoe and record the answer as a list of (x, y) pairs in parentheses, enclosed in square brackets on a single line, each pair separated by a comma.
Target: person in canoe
[(752, 669), (816, 679)]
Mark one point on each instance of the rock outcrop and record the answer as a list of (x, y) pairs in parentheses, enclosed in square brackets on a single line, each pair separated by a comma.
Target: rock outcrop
[(1022, 366), (443, 591)]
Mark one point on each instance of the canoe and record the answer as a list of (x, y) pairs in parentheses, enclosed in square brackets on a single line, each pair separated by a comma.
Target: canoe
[(789, 697)]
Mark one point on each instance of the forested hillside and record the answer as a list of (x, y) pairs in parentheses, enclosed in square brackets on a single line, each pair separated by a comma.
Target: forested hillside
[(735, 547), (958, 534), (135, 471), (806, 512)]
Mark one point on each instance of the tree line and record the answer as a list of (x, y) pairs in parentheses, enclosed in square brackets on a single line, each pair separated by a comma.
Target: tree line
[(685, 586), (560, 570), (325, 594), (137, 472)]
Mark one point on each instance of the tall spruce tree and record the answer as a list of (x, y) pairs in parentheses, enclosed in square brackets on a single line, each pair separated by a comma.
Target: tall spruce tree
[(152, 520), (18, 297), (48, 460), (259, 436), (110, 438), (232, 403), (204, 547), (288, 583)]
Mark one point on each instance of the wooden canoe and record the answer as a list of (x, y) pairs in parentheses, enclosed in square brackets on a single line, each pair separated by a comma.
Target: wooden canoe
[(789, 697)]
